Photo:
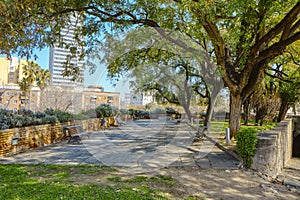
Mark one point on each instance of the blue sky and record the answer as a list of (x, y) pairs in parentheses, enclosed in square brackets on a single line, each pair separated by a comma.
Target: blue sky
[(99, 77)]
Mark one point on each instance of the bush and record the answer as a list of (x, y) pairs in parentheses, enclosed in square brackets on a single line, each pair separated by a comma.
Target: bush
[(132, 111), (124, 112), (104, 110), (159, 111), (89, 113), (22, 118), (48, 119), (170, 111), (246, 145), (61, 116)]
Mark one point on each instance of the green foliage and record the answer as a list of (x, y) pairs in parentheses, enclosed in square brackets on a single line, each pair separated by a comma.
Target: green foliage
[(86, 114), (61, 116), (132, 111), (34, 74), (9, 119), (244, 36), (124, 112), (106, 110), (246, 145), (170, 110), (159, 111), (48, 119)]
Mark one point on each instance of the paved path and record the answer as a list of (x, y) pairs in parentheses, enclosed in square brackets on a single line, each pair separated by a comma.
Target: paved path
[(142, 143), (290, 175)]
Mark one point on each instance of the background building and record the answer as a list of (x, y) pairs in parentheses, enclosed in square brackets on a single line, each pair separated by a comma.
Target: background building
[(12, 98), (59, 54), (95, 96), (13, 70), (63, 98), (139, 98), (4, 65)]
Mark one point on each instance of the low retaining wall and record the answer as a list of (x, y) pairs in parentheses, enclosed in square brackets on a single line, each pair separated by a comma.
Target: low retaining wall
[(274, 149), (18, 140)]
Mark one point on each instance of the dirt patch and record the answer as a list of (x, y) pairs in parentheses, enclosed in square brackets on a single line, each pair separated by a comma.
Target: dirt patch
[(230, 184)]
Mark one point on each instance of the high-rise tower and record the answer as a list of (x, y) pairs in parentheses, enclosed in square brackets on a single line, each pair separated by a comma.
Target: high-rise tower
[(58, 56)]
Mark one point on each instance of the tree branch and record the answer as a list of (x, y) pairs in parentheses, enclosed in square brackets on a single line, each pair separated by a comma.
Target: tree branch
[(277, 48), (286, 22)]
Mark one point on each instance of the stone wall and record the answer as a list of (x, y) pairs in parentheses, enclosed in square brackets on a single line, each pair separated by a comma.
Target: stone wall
[(274, 149), (296, 131), (17, 140)]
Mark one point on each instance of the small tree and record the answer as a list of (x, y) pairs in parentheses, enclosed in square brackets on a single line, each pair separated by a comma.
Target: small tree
[(104, 110)]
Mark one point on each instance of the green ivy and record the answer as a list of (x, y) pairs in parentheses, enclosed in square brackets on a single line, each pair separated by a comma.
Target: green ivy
[(246, 145)]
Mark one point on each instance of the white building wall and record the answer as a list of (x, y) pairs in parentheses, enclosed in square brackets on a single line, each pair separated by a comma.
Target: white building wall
[(147, 98), (58, 56)]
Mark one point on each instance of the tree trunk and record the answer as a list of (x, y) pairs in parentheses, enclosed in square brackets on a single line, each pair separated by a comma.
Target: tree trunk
[(210, 108), (282, 111), (246, 110), (234, 116), (188, 113)]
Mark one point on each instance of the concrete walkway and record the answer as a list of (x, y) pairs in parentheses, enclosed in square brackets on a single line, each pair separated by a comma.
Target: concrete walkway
[(138, 144), (290, 174)]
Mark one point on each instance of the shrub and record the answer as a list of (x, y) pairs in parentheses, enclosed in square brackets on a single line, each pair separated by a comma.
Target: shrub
[(9, 119), (246, 145), (132, 111), (48, 119), (171, 111), (124, 112), (89, 113), (62, 116), (80, 116), (25, 112), (40, 114), (4, 126), (115, 111), (105, 110), (159, 111)]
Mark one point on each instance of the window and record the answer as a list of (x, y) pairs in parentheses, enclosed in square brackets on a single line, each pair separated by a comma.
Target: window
[(7, 93), (99, 97), (15, 101)]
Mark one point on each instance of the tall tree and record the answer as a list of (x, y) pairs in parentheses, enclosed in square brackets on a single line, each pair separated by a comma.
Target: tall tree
[(33, 75), (175, 77), (243, 36)]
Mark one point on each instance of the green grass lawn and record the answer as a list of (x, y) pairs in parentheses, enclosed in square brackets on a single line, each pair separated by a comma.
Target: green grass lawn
[(221, 126), (75, 182)]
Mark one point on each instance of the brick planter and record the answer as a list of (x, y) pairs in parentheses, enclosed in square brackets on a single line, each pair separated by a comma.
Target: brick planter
[(18, 140)]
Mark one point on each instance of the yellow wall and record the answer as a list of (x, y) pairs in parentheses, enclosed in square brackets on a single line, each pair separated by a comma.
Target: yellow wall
[(4, 64)]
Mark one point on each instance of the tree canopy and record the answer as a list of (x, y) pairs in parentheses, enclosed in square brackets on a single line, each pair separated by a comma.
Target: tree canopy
[(242, 36)]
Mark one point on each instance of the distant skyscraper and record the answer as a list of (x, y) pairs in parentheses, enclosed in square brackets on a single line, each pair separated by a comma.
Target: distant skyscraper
[(58, 56)]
